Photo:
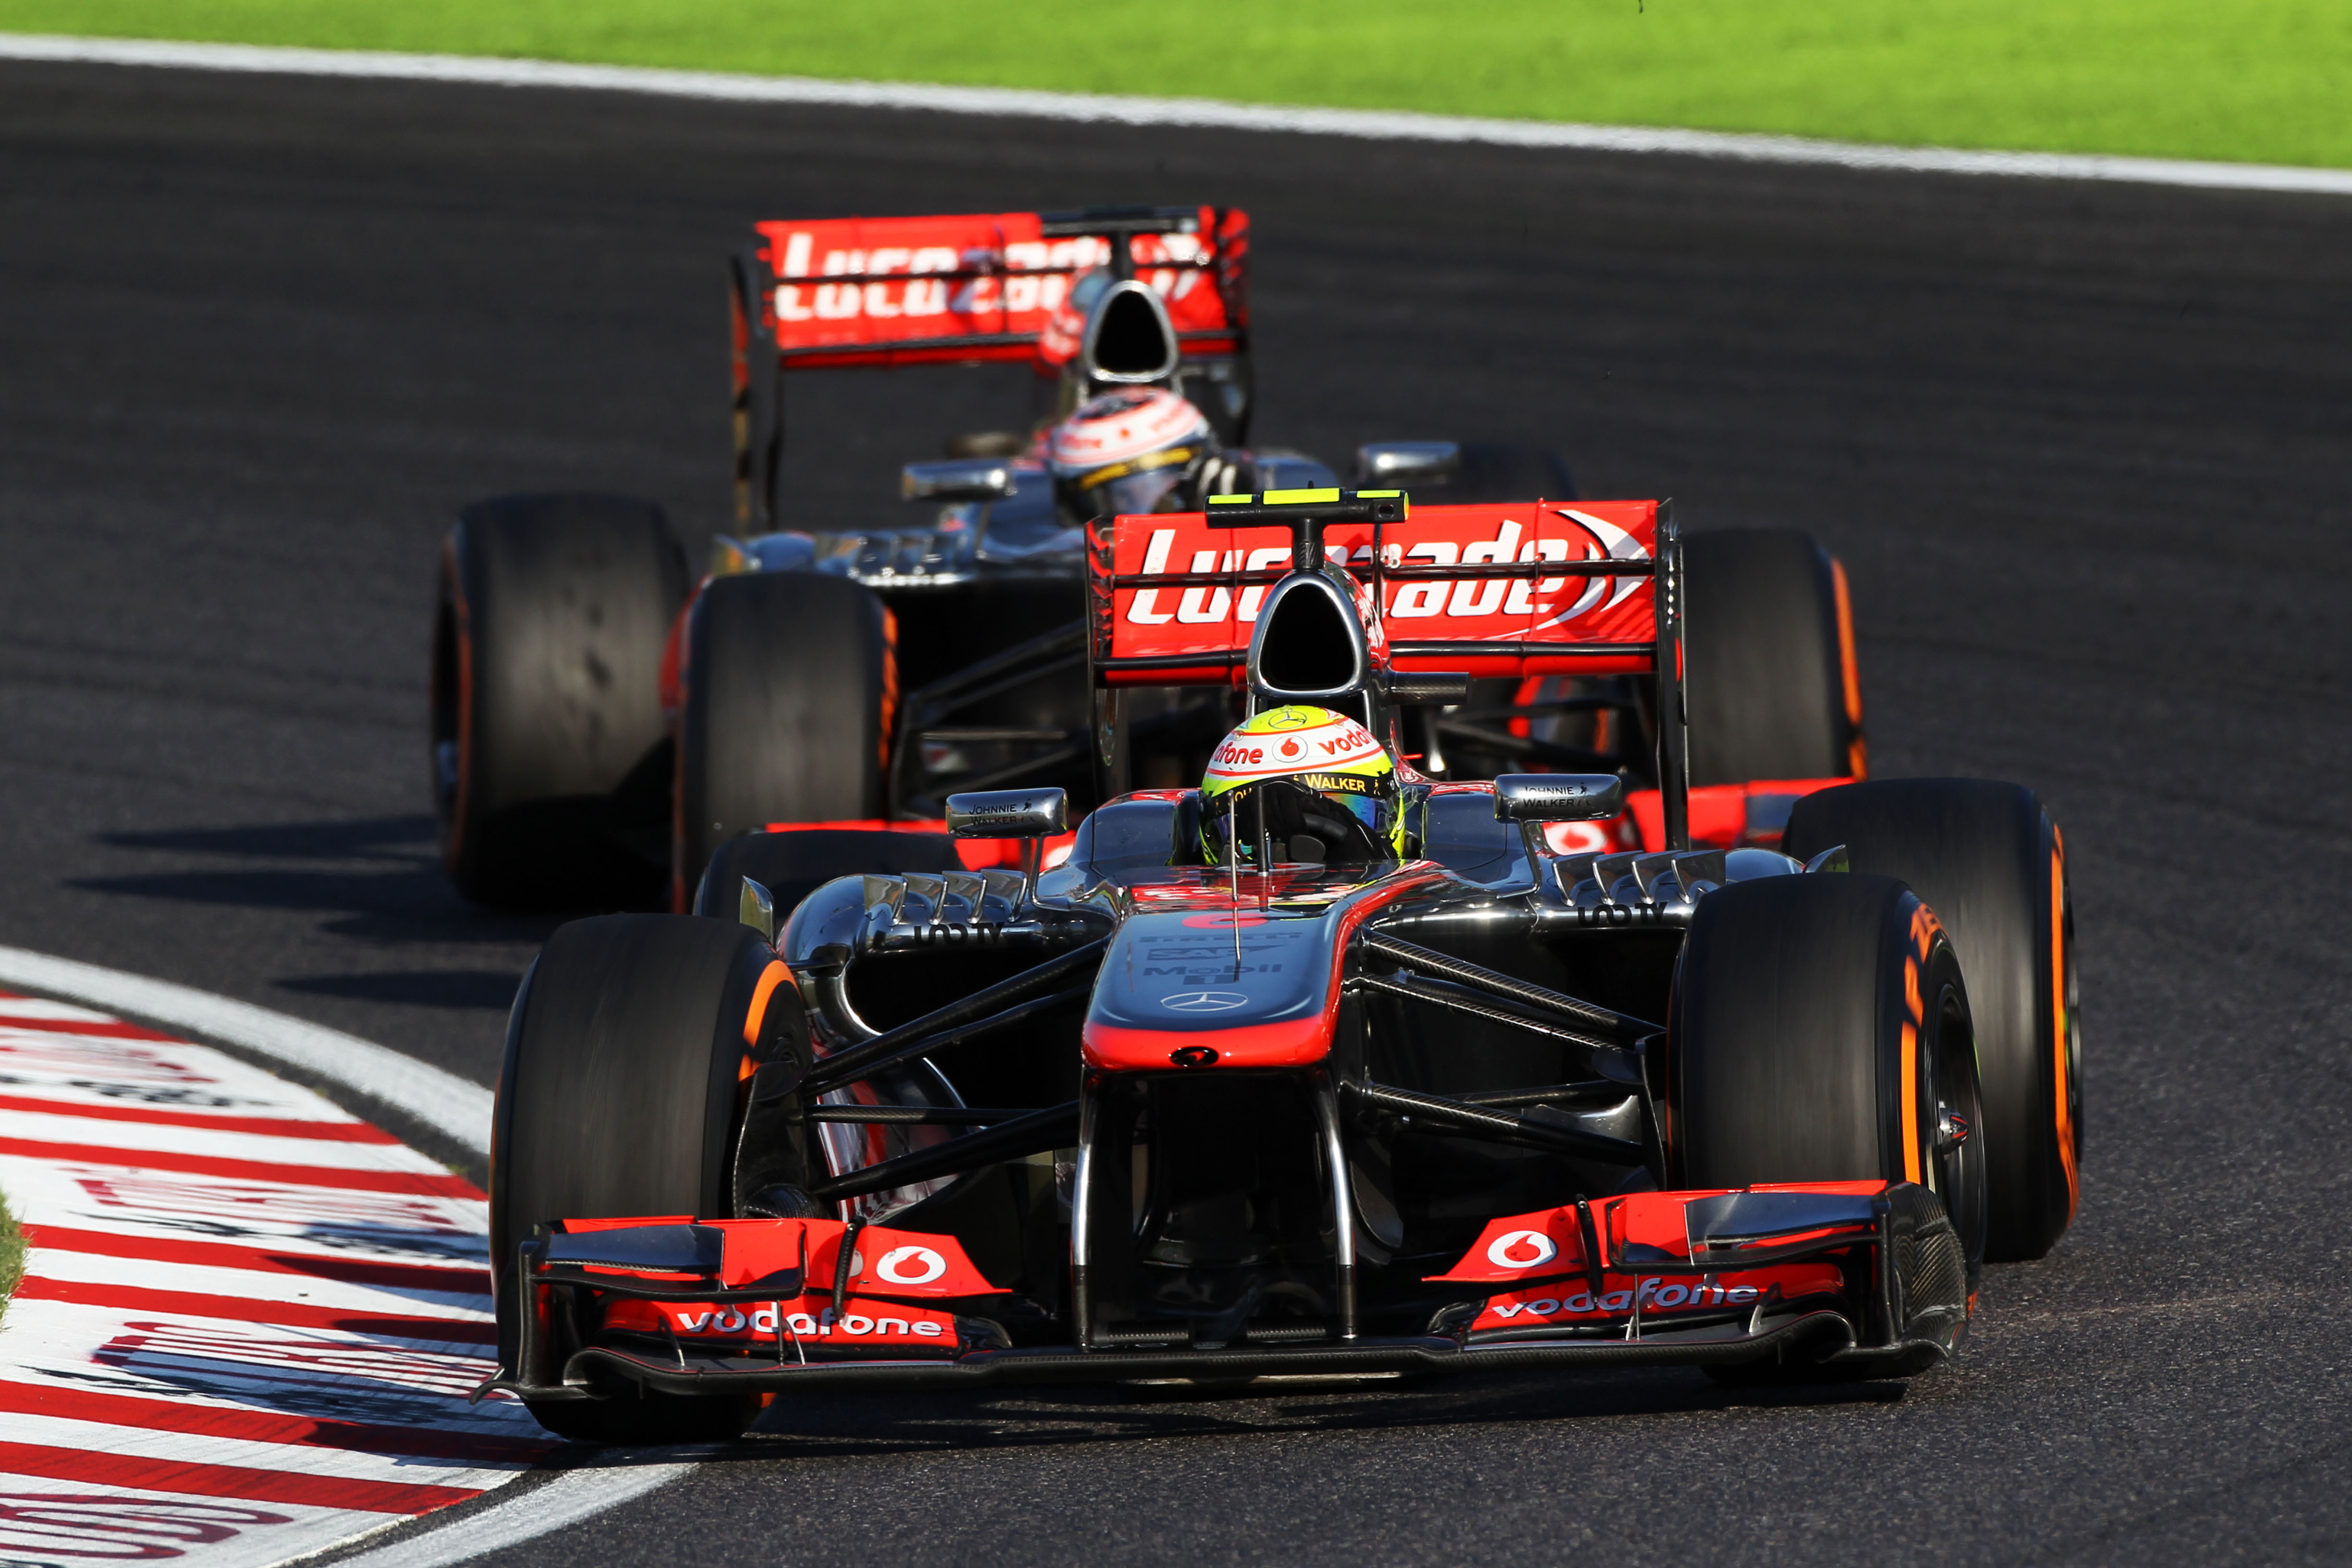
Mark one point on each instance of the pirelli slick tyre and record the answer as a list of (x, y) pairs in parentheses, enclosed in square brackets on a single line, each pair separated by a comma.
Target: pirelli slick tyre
[(546, 700), (790, 685), (1770, 679), (1819, 1031), (1991, 862), (618, 1099)]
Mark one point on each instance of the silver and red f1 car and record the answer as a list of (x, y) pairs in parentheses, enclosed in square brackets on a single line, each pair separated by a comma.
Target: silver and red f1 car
[(602, 727), (1206, 1100)]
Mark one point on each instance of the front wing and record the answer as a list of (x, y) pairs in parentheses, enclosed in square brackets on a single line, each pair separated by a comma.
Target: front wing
[(1869, 1275)]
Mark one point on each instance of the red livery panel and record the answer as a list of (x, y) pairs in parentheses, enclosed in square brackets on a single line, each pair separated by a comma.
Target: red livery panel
[(982, 286), (1482, 625)]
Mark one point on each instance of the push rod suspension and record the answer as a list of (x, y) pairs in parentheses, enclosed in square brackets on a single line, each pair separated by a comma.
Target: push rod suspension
[(1496, 1126), (1622, 1027), (1056, 1127), (914, 1115), (1461, 1000), (827, 1075), (862, 1059)]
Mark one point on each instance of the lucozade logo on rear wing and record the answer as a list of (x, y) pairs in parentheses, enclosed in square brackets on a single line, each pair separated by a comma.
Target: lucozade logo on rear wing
[(981, 286), (1486, 626)]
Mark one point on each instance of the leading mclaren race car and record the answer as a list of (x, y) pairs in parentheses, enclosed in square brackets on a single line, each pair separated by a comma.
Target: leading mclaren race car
[(1320, 1068), (601, 729)]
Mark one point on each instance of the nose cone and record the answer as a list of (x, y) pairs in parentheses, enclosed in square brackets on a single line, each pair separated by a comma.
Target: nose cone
[(1172, 993)]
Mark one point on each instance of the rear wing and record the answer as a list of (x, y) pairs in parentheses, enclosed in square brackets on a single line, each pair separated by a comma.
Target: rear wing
[(974, 288), (1509, 590), (985, 286)]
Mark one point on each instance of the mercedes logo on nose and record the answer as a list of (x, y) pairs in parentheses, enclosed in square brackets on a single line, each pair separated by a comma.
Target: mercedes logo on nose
[(1203, 1001)]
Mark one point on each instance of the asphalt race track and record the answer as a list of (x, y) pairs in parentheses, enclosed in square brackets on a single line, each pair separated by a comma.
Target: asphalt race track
[(2086, 451)]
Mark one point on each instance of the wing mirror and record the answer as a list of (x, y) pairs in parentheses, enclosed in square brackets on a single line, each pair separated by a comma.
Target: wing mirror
[(756, 907), (1388, 462), (1559, 797), (1009, 813), (958, 479), (1029, 815), (1533, 799)]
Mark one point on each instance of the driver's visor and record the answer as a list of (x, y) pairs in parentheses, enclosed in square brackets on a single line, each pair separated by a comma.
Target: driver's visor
[(1374, 812), (1125, 488)]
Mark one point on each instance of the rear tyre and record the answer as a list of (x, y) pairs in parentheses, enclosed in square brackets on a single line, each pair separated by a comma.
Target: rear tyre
[(1819, 1032), (792, 866), (791, 682), (1992, 864), (1768, 650), (546, 701), (618, 1100), (1495, 472)]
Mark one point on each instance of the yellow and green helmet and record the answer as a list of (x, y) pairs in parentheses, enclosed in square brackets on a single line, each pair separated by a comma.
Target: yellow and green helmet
[(1308, 786)]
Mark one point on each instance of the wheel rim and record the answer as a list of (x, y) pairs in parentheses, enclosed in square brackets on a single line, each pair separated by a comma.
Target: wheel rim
[(1951, 1118)]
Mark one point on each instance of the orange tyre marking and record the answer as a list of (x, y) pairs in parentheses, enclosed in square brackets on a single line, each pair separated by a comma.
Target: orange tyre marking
[(1911, 1160), (2061, 1036), (756, 1019), (890, 688), (1857, 752)]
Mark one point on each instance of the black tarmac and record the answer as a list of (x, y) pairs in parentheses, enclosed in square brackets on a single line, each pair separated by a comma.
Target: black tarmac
[(2086, 451)]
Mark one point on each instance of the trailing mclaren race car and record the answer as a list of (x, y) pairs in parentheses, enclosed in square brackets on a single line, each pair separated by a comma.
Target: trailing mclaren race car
[(602, 725), (1321, 1067)]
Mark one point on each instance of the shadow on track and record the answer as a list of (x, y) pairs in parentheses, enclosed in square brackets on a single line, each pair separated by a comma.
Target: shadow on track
[(380, 877), (842, 1424)]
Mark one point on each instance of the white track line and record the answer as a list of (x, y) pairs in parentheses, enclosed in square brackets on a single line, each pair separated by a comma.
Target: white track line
[(442, 1101), (568, 1500), (1190, 112)]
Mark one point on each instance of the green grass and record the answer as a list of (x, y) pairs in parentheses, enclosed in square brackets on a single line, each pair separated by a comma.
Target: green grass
[(2253, 80), (12, 1254)]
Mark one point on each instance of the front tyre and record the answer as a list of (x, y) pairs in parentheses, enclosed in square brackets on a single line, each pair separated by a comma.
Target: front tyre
[(618, 1100), (1993, 864), (1820, 1031)]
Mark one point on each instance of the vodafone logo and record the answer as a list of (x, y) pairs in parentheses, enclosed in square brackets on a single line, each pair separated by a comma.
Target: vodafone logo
[(1522, 1249), (910, 1265), (1293, 749)]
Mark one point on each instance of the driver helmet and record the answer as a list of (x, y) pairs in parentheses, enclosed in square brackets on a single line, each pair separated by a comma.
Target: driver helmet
[(1311, 785), (1139, 450)]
